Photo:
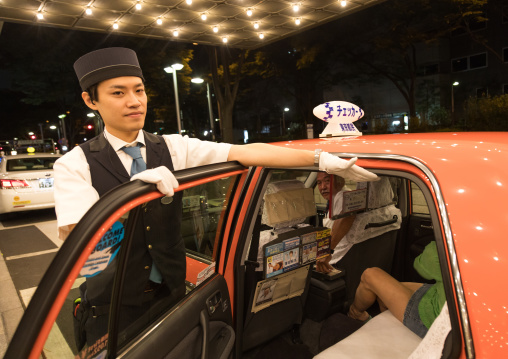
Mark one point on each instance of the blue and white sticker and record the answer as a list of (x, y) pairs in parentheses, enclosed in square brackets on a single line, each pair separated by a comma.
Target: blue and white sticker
[(104, 252), (340, 116)]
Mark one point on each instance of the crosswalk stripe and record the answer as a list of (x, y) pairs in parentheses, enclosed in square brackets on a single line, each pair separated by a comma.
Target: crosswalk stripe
[(33, 254)]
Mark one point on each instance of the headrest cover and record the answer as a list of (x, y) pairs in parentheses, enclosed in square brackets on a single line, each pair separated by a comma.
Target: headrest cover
[(380, 193), (287, 203), (105, 64)]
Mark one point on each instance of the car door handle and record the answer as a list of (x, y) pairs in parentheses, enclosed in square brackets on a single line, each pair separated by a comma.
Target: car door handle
[(204, 321), (214, 302)]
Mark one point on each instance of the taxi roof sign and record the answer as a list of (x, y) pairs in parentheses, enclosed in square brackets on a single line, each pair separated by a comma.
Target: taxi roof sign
[(340, 116)]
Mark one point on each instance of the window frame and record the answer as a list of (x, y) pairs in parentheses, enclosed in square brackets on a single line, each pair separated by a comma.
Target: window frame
[(468, 62)]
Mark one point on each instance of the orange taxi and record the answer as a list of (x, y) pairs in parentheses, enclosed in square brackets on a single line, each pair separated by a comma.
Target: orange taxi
[(450, 188)]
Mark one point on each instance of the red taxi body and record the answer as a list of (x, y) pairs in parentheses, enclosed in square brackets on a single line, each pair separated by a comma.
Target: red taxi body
[(463, 179)]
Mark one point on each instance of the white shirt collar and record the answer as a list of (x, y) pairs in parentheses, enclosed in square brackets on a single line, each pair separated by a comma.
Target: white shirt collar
[(117, 143)]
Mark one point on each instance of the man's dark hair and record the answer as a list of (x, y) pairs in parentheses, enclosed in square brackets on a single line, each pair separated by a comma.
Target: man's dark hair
[(92, 92)]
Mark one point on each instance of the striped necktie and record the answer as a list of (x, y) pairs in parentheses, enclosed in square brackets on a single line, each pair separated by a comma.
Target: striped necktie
[(138, 164)]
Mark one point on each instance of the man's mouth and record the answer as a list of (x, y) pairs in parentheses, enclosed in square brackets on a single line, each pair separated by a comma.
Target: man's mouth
[(134, 114)]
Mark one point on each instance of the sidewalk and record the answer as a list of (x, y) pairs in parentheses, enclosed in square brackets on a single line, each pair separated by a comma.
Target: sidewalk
[(11, 309)]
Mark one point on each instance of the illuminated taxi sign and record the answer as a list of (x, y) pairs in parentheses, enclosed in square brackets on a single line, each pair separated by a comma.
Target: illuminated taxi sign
[(340, 116)]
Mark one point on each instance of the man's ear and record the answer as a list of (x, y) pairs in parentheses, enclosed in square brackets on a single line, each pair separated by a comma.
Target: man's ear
[(88, 100)]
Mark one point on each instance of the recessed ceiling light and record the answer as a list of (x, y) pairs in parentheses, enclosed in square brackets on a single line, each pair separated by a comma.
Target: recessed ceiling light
[(256, 25), (203, 16), (159, 21), (261, 36), (88, 11), (115, 25), (249, 12), (224, 39), (215, 29), (175, 33), (40, 16), (343, 3), (297, 21)]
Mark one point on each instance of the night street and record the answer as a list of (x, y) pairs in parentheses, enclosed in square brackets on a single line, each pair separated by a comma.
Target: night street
[(28, 243)]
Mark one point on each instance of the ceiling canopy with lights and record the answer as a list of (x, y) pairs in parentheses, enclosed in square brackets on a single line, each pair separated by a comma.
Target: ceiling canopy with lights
[(244, 24)]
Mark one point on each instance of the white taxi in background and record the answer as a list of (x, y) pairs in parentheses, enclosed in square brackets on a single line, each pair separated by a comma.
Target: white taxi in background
[(26, 181)]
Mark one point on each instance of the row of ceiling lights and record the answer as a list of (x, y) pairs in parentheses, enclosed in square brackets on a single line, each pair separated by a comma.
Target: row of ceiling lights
[(215, 28)]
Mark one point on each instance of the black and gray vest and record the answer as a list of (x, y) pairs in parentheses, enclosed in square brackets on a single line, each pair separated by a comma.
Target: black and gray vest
[(157, 233)]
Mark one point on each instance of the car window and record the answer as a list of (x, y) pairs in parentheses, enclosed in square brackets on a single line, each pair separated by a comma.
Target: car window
[(203, 208), (418, 201), (30, 164), (82, 325)]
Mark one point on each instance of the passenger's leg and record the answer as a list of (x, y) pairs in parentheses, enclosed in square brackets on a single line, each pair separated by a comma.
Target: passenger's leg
[(411, 285), (377, 284)]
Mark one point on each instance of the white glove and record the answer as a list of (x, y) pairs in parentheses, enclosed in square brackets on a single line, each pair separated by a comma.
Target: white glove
[(162, 177), (347, 169)]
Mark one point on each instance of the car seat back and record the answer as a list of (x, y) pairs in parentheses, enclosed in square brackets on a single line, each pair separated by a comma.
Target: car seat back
[(276, 297), (372, 237)]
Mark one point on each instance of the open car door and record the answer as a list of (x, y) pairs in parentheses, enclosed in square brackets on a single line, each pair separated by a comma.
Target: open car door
[(197, 325)]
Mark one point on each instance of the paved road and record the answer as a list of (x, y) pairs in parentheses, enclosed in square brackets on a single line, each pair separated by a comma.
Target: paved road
[(28, 243)]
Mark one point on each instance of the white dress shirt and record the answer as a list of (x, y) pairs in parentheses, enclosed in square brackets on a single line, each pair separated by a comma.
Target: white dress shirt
[(74, 193)]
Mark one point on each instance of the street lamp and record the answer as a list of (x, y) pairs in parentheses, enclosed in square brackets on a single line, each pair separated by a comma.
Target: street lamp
[(64, 139), (210, 111), (283, 125), (53, 127), (172, 70), (453, 104)]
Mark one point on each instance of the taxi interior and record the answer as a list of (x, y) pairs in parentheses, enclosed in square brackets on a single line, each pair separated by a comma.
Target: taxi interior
[(236, 224)]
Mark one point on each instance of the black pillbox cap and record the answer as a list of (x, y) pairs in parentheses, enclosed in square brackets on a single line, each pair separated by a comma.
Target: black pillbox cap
[(105, 64)]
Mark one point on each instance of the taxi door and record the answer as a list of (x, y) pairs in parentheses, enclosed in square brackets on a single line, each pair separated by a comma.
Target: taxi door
[(82, 308)]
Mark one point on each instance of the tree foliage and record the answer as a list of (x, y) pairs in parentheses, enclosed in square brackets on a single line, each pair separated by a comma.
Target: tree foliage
[(487, 113), (228, 68)]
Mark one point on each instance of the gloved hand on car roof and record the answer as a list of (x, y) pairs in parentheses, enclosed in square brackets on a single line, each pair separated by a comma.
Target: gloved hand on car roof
[(347, 169), (162, 177)]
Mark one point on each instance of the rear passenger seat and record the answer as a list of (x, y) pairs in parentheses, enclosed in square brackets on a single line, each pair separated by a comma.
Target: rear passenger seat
[(385, 337)]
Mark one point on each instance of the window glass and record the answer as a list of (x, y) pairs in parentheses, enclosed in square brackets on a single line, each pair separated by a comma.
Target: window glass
[(505, 54), (481, 92), (202, 209), (150, 289), (31, 163), (459, 64), (478, 61), (81, 326), (418, 203)]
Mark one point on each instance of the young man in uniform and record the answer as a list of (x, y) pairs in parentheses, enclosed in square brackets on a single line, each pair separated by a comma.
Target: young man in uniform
[(113, 85)]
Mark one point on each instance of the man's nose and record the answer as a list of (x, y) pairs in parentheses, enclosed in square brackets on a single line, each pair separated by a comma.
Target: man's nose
[(133, 101)]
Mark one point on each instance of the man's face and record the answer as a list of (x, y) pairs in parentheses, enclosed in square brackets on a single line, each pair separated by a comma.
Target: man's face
[(324, 184), (122, 104)]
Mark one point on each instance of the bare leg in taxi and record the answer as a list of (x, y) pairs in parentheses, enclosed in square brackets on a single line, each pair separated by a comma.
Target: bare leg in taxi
[(376, 284)]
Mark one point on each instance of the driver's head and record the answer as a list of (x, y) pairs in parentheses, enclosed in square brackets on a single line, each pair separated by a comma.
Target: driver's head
[(324, 184)]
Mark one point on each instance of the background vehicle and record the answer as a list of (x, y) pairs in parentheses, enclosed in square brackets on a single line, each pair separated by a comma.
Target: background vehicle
[(26, 182), (449, 187)]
